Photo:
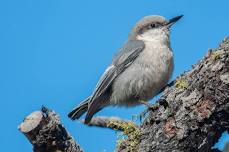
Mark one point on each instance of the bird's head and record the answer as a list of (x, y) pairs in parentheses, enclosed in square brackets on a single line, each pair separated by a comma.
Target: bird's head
[(152, 28)]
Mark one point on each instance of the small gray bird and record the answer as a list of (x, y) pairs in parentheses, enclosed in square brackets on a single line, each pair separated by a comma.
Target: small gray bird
[(141, 68)]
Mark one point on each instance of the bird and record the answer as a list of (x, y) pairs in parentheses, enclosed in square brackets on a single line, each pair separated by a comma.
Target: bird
[(138, 71)]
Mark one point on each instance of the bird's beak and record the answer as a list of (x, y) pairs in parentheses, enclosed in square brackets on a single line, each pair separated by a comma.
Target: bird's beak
[(173, 20)]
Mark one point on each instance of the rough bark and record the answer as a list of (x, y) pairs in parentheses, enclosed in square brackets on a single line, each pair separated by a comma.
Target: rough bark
[(45, 132), (195, 111)]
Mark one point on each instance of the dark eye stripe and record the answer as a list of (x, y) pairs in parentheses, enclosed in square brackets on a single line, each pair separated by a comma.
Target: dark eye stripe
[(153, 25), (149, 26)]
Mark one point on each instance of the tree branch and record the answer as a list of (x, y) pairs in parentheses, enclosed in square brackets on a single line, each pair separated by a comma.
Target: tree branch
[(45, 132), (197, 110), (113, 123)]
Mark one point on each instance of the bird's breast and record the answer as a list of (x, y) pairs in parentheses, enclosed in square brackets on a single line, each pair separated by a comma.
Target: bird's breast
[(145, 76)]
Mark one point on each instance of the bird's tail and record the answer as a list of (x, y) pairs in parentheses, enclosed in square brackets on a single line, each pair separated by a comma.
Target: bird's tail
[(78, 111)]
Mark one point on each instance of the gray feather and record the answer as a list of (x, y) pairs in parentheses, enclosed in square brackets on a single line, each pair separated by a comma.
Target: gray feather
[(78, 111), (121, 61), (130, 47)]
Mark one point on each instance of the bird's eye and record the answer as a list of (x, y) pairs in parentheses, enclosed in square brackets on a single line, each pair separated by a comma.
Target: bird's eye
[(153, 25)]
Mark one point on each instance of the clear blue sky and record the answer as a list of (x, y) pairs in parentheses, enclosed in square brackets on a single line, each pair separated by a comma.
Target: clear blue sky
[(52, 52)]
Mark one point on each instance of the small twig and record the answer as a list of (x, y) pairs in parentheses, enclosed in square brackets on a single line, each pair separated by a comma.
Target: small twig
[(113, 123)]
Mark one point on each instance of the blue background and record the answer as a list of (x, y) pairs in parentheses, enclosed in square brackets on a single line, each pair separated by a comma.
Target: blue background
[(52, 52)]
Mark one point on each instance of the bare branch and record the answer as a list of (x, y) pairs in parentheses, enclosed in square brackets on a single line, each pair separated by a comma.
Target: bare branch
[(45, 132), (114, 123)]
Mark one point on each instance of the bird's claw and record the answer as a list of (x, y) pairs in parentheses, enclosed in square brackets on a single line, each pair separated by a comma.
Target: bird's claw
[(153, 107)]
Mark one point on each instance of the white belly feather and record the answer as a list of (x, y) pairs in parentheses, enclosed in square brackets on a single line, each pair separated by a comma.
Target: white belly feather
[(145, 77)]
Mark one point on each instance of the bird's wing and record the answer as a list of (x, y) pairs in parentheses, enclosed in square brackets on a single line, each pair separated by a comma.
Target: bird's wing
[(121, 61)]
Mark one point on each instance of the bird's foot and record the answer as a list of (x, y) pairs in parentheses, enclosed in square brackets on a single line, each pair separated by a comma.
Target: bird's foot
[(151, 107)]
